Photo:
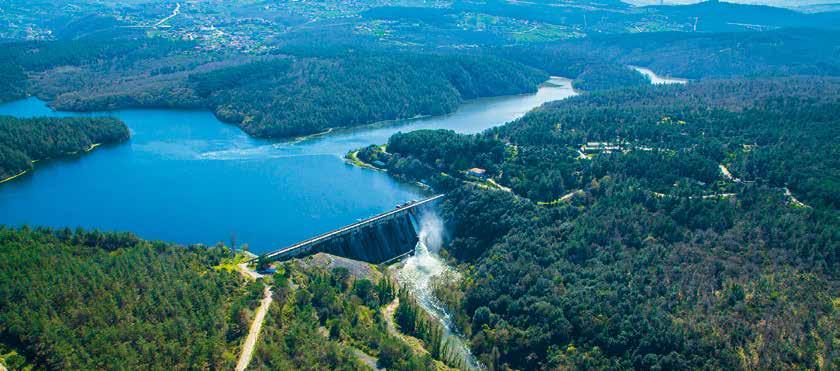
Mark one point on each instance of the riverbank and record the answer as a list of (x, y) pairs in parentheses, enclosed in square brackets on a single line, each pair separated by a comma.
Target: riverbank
[(353, 159), (92, 147), (86, 150), (554, 82), (657, 79), (417, 274), (310, 136), (13, 176)]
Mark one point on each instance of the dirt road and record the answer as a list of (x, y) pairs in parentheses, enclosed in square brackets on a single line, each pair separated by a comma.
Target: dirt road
[(254, 332)]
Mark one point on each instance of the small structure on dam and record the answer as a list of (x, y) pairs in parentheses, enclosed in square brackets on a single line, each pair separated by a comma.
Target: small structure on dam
[(375, 240)]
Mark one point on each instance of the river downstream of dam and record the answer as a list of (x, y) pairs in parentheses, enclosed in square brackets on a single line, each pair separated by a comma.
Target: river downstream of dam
[(186, 177)]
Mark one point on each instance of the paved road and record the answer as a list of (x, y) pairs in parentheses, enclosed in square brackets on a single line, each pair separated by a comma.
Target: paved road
[(254, 332)]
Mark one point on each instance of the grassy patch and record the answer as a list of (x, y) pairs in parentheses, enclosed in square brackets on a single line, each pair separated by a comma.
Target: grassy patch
[(229, 264)]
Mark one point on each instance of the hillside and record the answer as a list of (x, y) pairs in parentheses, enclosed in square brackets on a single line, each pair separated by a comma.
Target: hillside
[(302, 92), (87, 300), (622, 244)]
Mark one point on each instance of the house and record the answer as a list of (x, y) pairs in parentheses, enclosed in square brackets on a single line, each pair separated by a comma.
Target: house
[(597, 147), (477, 172)]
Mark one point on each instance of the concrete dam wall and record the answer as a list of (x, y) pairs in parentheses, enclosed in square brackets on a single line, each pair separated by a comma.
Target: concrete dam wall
[(377, 239), (377, 242)]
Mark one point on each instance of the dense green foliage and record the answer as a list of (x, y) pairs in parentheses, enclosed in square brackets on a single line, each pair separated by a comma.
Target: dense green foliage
[(25, 140), (88, 300), (446, 150), (326, 318), (42, 56), (598, 63), (289, 97), (303, 91), (694, 55), (605, 76), (12, 82), (645, 255), (668, 134), (414, 321), (608, 235), (19, 59), (631, 280), (590, 69)]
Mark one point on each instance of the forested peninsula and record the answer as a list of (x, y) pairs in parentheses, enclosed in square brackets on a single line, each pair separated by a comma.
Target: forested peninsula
[(674, 227), (24, 141)]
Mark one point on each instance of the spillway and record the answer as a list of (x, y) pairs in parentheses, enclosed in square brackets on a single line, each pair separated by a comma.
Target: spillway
[(375, 243)]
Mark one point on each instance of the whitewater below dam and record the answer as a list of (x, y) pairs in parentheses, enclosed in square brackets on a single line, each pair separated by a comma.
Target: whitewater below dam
[(186, 177), (417, 273)]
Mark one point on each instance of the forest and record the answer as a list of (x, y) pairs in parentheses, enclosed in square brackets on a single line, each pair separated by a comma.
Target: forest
[(629, 227), (23, 141), (317, 82), (784, 52), (91, 300), (619, 242), (298, 96), (22, 61), (295, 91), (332, 318), (12, 82)]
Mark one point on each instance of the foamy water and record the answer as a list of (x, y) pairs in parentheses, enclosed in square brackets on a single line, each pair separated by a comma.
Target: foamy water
[(417, 274)]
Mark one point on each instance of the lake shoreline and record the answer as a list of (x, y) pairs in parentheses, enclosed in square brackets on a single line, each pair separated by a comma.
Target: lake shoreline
[(280, 191), (13, 176), (657, 79), (67, 155)]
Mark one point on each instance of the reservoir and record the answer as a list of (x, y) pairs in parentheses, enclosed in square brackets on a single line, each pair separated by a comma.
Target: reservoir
[(186, 177)]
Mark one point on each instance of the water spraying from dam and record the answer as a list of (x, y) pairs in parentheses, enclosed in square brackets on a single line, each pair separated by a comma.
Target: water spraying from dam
[(417, 273)]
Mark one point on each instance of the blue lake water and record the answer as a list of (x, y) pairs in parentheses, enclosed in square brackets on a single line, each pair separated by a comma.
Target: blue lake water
[(186, 177)]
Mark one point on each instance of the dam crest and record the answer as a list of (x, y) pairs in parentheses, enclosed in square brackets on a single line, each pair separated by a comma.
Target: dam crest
[(376, 240)]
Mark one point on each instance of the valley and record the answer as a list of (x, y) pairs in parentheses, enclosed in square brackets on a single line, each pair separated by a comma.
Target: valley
[(419, 185)]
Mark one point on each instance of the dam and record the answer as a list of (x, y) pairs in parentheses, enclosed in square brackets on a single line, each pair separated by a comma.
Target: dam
[(375, 240)]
